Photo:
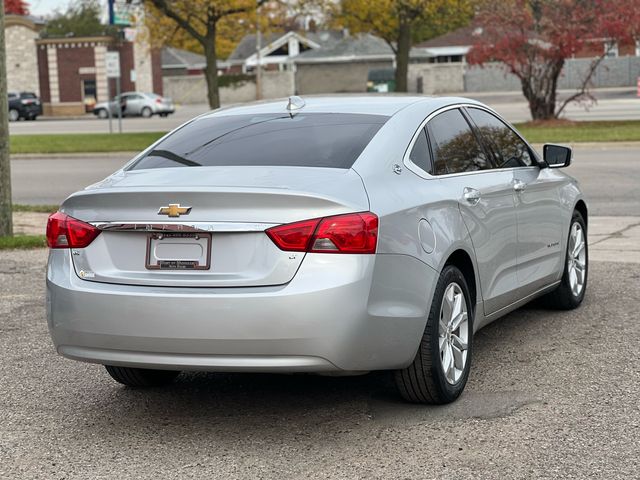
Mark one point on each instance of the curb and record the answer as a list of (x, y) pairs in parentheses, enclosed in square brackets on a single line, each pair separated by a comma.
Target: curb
[(74, 155)]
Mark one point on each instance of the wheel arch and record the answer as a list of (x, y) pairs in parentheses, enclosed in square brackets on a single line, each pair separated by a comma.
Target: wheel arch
[(463, 262), (581, 206)]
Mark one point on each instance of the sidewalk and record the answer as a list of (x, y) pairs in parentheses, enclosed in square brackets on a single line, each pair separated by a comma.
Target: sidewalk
[(611, 239)]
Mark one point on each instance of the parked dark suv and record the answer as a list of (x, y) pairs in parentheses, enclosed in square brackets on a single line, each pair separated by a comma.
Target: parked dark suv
[(24, 105)]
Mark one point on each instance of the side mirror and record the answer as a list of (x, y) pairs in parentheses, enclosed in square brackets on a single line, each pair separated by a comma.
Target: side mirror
[(556, 156)]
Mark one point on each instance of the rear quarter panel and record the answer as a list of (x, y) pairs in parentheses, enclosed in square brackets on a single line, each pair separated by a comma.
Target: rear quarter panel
[(402, 201)]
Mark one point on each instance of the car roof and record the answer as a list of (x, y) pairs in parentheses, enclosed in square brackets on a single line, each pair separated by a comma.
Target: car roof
[(374, 104)]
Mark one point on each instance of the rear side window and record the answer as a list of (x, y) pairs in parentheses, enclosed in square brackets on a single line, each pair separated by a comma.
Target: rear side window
[(420, 155), (305, 140), (509, 149), (454, 145)]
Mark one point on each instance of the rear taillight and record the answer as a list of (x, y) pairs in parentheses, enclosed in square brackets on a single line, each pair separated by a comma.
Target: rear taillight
[(64, 231), (350, 233), (159, 100)]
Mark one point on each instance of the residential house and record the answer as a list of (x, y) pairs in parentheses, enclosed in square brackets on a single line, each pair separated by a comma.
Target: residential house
[(454, 46), (277, 49), (342, 67)]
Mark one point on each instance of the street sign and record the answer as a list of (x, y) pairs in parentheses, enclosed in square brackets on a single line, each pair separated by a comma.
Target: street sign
[(123, 12), (112, 61)]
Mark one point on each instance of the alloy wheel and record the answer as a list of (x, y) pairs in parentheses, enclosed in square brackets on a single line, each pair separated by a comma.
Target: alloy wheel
[(576, 259), (453, 332)]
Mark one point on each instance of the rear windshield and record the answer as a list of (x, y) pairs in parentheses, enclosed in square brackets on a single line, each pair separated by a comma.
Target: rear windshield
[(306, 140), (28, 95)]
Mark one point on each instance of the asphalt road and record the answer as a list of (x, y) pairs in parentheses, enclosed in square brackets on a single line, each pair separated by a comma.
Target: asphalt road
[(609, 174), (612, 104), (551, 395)]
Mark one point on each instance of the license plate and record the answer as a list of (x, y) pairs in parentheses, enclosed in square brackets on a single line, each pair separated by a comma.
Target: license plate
[(178, 251)]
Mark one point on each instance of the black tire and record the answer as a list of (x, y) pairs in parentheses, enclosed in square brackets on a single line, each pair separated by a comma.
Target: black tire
[(102, 113), (164, 115), (563, 298), (141, 377), (14, 115), (146, 112), (424, 380)]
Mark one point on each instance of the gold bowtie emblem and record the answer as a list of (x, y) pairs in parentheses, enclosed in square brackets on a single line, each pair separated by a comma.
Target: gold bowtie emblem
[(174, 210)]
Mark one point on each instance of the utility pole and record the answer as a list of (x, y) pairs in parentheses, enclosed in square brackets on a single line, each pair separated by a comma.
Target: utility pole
[(258, 56), (6, 220)]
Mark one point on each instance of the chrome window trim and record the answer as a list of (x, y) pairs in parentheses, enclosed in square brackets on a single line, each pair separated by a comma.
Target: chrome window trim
[(182, 226), (427, 176)]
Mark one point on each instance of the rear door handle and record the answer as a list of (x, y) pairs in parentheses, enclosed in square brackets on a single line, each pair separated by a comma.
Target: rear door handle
[(471, 195), (519, 186)]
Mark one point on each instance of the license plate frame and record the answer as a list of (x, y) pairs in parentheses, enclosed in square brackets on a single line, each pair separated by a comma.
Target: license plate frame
[(178, 264)]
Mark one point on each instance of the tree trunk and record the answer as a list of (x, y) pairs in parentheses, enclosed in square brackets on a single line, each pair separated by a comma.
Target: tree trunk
[(6, 220), (211, 70), (402, 56), (540, 89)]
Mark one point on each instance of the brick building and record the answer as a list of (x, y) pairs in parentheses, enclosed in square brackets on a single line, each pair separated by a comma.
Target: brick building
[(69, 73)]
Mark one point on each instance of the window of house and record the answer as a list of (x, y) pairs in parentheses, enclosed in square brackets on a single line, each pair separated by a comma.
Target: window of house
[(611, 49)]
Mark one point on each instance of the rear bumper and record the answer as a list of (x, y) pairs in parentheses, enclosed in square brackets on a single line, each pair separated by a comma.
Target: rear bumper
[(164, 109), (340, 312), (30, 111)]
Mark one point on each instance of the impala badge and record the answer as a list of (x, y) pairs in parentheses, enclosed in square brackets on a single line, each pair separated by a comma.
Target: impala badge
[(174, 210)]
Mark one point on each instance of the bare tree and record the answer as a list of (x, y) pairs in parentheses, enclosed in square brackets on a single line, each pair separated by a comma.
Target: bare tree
[(534, 38), (199, 19)]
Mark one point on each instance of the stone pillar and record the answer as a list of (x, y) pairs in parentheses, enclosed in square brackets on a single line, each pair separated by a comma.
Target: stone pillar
[(101, 73), (54, 83), (142, 63), (22, 59)]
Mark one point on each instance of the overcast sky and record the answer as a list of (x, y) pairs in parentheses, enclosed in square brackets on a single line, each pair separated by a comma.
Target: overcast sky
[(42, 8)]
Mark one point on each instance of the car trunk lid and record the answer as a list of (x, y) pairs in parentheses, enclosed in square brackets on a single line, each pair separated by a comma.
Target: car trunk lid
[(230, 208)]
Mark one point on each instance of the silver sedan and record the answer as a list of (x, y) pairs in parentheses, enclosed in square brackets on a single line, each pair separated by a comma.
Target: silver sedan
[(135, 104), (335, 234)]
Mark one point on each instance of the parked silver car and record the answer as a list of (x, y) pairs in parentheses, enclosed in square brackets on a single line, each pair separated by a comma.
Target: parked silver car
[(344, 235), (136, 104)]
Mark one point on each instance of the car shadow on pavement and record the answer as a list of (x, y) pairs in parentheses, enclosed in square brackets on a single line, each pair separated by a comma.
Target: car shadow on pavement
[(264, 404)]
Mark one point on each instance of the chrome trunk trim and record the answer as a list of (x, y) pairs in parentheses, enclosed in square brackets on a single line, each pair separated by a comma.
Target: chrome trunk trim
[(182, 226)]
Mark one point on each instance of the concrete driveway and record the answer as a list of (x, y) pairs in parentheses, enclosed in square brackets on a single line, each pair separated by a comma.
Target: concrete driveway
[(551, 395)]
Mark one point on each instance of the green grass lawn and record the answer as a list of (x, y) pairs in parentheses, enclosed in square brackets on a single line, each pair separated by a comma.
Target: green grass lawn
[(35, 208), (23, 242), (575, 132), (553, 132), (83, 142)]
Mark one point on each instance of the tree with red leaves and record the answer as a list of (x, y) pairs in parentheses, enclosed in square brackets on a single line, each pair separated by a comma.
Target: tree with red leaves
[(16, 7), (533, 39)]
